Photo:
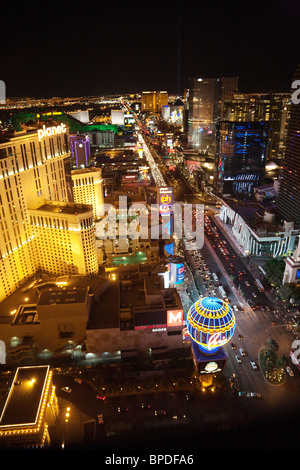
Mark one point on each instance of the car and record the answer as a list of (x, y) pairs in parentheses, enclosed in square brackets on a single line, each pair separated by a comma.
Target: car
[(100, 396), (254, 395), (238, 359), (254, 295), (66, 389), (233, 346), (160, 412), (78, 380), (239, 336), (289, 371), (235, 308), (242, 352), (145, 405), (253, 364), (189, 397), (242, 394), (122, 409)]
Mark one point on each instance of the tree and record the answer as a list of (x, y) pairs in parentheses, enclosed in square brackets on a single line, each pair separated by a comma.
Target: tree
[(274, 269), (285, 291), (272, 345), (270, 353)]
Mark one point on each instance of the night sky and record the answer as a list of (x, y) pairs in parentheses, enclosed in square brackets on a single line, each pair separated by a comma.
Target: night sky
[(100, 47)]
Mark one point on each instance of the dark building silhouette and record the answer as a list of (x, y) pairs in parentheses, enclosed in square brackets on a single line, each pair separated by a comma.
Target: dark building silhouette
[(288, 203)]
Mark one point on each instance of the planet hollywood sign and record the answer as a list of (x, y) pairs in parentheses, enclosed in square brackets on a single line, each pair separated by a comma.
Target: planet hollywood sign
[(50, 131)]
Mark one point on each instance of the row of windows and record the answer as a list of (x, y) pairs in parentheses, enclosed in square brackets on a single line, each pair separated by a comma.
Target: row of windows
[(32, 155), (86, 180), (50, 222)]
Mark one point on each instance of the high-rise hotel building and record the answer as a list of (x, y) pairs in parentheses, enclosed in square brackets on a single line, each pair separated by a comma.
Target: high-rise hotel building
[(288, 202), (88, 188), (153, 100), (205, 108), (34, 168), (64, 236)]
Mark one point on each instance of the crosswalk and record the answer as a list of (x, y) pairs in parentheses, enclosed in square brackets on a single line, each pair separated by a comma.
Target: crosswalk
[(254, 314)]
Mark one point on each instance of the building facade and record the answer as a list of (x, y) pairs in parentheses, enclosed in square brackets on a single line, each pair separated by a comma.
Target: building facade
[(276, 244), (241, 156), (205, 108), (88, 188), (288, 203), (34, 166), (80, 150), (64, 238), (153, 100), (271, 107)]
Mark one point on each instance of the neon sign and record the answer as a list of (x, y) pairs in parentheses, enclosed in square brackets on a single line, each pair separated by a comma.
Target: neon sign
[(49, 131), (174, 318), (215, 341)]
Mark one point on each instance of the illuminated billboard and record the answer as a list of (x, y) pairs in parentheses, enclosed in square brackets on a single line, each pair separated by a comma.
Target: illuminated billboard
[(165, 200), (206, 364), (177, 271), (174, 318)]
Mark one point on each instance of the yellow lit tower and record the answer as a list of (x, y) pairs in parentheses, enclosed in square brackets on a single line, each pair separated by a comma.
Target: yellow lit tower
[(34, 167)]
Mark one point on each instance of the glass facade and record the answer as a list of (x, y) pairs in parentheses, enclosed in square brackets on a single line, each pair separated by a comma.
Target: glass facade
[(241, 156), (206, 98), (288, 204)]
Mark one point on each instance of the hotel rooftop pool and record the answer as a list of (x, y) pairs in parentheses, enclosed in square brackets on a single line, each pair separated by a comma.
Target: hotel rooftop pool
[(139, 257)]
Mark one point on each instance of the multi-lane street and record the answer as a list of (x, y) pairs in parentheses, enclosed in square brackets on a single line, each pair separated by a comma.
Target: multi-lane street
[(258, 316)]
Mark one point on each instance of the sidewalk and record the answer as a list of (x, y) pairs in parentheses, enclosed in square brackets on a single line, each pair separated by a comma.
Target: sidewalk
[(227, 232)]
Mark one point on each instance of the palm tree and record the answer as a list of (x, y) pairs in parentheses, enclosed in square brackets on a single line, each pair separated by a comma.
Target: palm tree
[(272, 345)]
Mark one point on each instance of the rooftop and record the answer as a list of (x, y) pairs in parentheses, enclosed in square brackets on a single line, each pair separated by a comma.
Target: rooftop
[(20, 306), (23, 403), (65, 208), (67, 296), (104, 312)]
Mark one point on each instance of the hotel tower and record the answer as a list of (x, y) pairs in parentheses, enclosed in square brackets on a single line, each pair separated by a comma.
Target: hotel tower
[(40, 226)]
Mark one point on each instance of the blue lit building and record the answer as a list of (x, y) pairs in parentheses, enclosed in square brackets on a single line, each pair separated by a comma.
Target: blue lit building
[(240, 156)]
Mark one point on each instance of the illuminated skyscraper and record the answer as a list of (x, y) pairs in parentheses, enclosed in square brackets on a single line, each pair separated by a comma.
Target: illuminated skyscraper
[(88, 188), (80, 150), (205, 108), (153, 100), (64, 237), (269, 107), (241, 156), (288, 203), (35, 168)]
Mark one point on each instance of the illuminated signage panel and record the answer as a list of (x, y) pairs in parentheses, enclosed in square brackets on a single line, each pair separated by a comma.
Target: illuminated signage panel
[(165, 200), (174, 318), (49, 131)]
